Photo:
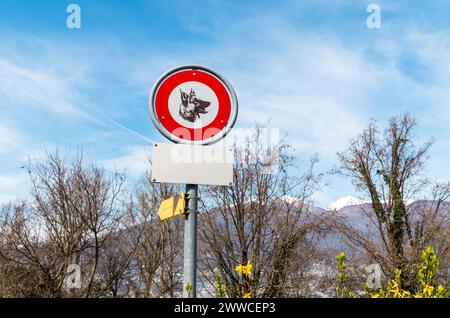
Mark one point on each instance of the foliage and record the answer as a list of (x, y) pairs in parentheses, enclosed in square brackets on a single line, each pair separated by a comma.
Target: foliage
[(220, 286), (427, 275), (430, 265), (341, 288)]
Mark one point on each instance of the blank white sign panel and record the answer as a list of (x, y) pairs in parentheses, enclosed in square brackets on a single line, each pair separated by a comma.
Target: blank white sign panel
[(192, 164)]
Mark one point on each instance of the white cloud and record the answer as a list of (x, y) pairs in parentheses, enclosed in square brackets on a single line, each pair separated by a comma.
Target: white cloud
[(311, 89), (36, 88)]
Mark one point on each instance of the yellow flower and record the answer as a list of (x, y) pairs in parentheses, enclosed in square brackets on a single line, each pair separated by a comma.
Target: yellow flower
[(247, 270), (239, 269), (376, 296), (247, 295), (428, 290), (396, 293), (244, 269), (406, 294), (394, 285)]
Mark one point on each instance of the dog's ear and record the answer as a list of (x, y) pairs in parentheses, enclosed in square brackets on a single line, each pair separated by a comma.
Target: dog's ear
[(184, 96), (202, 105)]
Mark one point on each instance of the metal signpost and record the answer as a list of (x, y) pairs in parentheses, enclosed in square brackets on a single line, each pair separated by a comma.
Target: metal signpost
[(194, 107), (190, 244)]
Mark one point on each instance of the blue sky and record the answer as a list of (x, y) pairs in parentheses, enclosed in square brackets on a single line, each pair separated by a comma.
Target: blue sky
[(312, 67)]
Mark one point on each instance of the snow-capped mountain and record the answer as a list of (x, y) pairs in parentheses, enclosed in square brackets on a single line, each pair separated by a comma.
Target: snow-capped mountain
[(350, 201), (344, 202)]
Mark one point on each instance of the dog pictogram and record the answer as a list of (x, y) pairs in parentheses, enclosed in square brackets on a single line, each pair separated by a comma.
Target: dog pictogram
[(191, 107)]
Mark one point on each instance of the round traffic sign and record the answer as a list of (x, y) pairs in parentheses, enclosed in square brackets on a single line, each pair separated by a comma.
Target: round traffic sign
[(193, 104)]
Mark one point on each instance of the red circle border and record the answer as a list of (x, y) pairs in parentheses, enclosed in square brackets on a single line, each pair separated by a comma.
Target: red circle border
[(171, 82)]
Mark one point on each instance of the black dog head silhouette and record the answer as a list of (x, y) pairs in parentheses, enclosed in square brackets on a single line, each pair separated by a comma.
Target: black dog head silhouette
[(191, 107)]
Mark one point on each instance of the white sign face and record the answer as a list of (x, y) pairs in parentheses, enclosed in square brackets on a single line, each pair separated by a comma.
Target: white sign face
[(192, 164)]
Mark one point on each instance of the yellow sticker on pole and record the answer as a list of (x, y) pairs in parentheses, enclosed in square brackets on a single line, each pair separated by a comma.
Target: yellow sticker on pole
[(171, 207)]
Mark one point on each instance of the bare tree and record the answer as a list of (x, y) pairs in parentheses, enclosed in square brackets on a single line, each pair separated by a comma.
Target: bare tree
[(388, 167), (263, 218), (157, 259), (73, 211)]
